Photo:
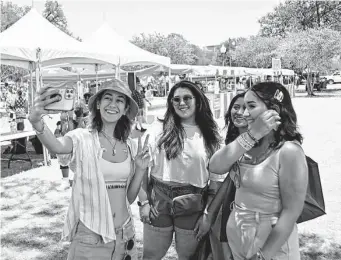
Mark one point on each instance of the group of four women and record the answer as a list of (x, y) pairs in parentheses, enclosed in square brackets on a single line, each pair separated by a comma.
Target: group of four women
[(177, 172)]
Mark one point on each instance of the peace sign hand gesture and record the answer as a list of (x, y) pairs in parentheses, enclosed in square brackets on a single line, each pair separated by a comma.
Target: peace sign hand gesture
[(143, 157)]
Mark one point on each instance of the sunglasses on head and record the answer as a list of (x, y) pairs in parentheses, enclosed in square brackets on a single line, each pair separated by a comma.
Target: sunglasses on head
[(129, 246), (187, 99)]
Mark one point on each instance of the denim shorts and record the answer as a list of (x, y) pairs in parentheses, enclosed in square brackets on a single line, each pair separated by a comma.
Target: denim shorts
[(87, 245), (248, 230), (177, 200)]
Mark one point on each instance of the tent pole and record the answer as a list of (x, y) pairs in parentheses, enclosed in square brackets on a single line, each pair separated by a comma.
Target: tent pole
[(169, 81), (39, 82), (96, 70), (31, 91)]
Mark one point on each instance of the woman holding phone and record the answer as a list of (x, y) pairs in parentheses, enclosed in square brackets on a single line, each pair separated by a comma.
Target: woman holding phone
[(108, 168)]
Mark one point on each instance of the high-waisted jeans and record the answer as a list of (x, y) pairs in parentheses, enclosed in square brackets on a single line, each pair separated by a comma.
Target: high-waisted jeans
[(87, 245), (248, 230)]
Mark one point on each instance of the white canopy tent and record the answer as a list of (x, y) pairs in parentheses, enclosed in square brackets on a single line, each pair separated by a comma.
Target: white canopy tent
[(20, 42), (32, 42), (109, 41)]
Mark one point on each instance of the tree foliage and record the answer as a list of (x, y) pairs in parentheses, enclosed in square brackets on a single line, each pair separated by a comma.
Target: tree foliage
[(10, 13), (256, 52), (310, 50), (174, 46), (54, 13), (301, 15)]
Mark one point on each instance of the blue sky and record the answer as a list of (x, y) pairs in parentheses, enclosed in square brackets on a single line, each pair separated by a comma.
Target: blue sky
[(200, 22)]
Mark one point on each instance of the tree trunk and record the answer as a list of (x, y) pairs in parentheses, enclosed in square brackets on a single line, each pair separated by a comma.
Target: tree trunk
[(310, 85), (318, 14)]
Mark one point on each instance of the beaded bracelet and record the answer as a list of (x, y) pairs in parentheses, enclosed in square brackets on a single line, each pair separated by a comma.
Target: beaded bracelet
[(251, 136), (252, 143), (244, 143)]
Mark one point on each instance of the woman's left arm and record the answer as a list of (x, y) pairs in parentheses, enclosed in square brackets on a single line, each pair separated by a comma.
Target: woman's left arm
[(293, 183), (135, 184), (142, 159)]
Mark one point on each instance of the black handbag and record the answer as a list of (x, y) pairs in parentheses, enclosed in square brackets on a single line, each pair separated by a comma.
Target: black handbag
[(314, 202), (226, 208), (203, 250)]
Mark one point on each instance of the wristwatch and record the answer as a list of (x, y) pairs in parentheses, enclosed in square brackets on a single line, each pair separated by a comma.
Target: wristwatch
[(142, 203)]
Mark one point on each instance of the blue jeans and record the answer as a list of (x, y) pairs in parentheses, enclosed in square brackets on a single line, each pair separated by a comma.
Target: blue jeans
[(87, 245), (158, 236), (247, 231)]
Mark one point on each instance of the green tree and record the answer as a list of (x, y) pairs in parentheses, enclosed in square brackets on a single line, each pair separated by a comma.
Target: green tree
[(10, 13), (54, 13), (301, 15), (174, 46), (228, 57), (256, 52), (309, 51)]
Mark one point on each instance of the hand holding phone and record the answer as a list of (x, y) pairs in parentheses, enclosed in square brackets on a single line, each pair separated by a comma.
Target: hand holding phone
[(66, 100)]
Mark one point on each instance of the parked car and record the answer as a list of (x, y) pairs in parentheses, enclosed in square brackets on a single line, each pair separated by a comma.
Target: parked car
[(334, 78)]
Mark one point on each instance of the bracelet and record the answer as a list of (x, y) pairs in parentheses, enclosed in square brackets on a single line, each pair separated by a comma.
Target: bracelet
[(247, 141), (42, 131), (260, 255), (244, 143), (251, 136), (142, 203)]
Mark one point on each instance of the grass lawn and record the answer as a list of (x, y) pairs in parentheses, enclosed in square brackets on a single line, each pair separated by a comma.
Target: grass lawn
[(33, 204)]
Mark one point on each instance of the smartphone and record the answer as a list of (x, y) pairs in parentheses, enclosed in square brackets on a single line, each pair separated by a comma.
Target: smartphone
[(66, 103)]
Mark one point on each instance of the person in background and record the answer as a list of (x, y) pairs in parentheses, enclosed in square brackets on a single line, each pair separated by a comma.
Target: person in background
[(109, 168), (175, 195), (139, 99), (271, 177), (235, 124), (21, 109)]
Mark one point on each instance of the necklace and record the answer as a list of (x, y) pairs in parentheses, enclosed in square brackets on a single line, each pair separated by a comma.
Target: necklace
[(259, 158)]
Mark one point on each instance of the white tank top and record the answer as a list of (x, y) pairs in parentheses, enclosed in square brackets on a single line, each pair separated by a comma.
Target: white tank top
[(115, 172)]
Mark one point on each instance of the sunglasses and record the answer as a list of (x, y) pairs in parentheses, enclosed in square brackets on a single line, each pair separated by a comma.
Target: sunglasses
[(177, 100), (129, 246), (236, 178)]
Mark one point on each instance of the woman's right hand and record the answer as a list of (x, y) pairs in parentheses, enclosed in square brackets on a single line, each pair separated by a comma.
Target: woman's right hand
[(40, 102), (202, 226), (269, 120)]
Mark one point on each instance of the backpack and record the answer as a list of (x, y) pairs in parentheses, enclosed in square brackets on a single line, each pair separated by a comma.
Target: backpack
[(314, 202)]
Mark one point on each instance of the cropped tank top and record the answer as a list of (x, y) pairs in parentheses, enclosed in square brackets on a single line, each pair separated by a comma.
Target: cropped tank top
[(259, 185), (115, 172)]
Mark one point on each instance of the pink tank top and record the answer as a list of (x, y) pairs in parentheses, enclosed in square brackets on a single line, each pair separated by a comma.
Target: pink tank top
[(259, 185)]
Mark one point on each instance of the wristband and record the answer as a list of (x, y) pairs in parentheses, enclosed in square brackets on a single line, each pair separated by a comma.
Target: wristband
[(260, 255), (142, 203), (251, 136), (42, 131)]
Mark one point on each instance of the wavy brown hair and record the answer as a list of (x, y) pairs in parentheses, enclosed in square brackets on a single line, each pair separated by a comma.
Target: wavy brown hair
[(288, 129), (232, 131), (123, 126), (172, 138)]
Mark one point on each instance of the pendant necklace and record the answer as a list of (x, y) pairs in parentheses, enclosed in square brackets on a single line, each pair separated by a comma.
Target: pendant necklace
[(113, 145)]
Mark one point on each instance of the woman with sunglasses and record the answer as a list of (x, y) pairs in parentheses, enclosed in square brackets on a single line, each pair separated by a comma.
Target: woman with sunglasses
[(174, 197), (271, 178), (108, 168)]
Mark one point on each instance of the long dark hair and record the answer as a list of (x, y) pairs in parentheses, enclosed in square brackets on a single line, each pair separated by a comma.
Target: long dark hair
[(276, 96), (232, 131), (172, 138), (123, 126)]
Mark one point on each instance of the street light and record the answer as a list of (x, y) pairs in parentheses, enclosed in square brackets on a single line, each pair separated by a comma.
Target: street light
[(223, 52)]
